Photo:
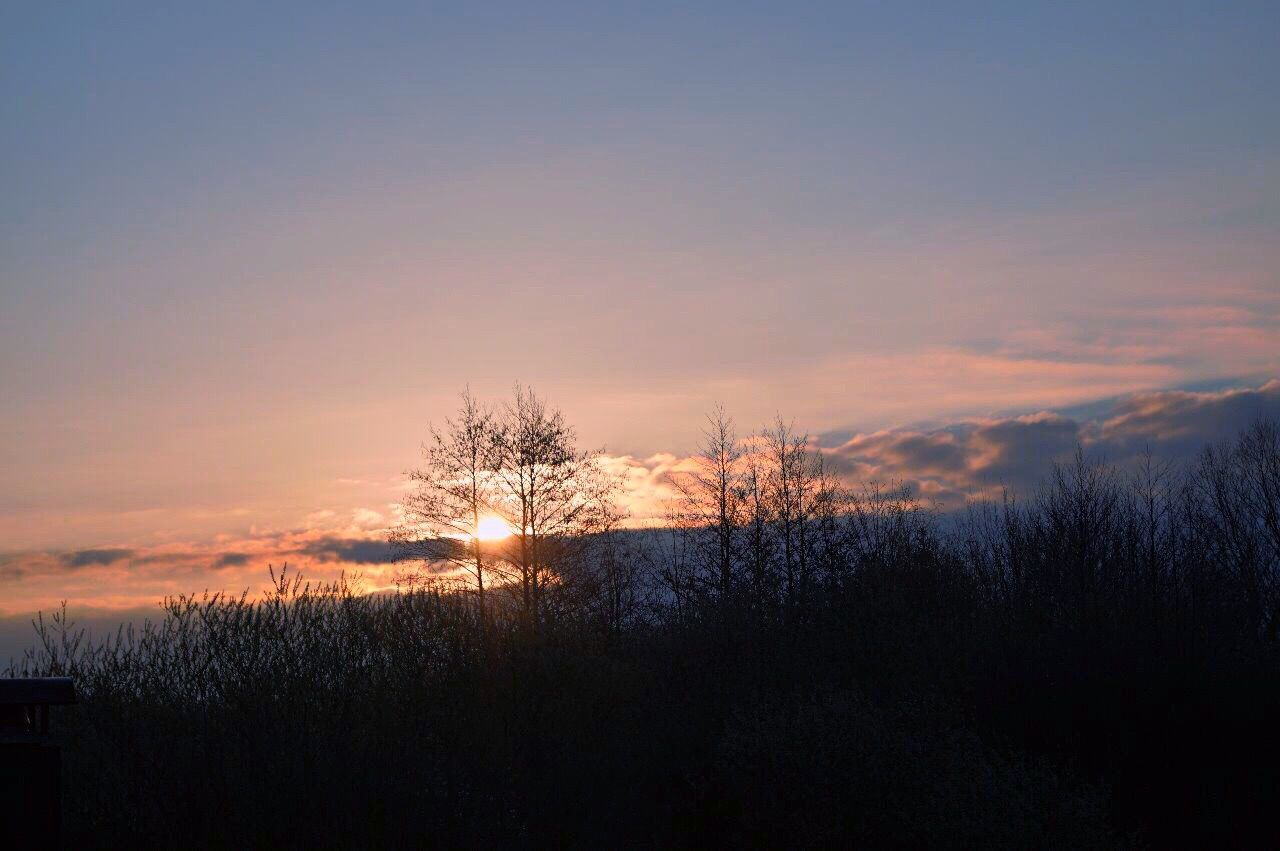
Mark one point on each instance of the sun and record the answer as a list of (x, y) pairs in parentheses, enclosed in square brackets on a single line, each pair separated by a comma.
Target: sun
[(492, 528)]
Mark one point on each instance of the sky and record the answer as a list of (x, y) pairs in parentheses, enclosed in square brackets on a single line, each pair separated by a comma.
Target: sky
[(247, 254)]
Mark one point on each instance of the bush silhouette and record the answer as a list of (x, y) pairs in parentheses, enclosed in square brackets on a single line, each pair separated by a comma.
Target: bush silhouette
[(1095, 664)]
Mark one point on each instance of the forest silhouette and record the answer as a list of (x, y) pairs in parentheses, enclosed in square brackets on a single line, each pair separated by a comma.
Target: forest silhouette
[(789, 660)]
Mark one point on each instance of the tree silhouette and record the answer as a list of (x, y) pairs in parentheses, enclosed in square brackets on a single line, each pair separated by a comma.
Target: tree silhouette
[(452, 490), (554, 496)]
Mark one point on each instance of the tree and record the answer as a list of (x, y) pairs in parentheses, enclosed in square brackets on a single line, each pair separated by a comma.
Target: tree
[(712, 495), (759, 540), (554, 496), (452, 491), (790, 484), (830, 508), (1235, 498)]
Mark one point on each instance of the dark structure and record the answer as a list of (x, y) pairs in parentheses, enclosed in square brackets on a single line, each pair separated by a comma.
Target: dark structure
[(30, 764)]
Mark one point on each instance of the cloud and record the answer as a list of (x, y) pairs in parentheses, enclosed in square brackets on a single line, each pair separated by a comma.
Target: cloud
[(357, 551), (949, 463), (1016, 451), (976, 457), (11, 568), (937, 453), (979, 457), (84, 558), (646, 483), (119, 576), (1177, 422), (367, 518)]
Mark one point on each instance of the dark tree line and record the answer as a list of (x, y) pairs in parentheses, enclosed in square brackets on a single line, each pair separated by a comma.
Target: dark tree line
[(793, 660)]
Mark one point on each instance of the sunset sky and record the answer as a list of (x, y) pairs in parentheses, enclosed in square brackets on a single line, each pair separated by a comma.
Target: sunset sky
[(247, 255)]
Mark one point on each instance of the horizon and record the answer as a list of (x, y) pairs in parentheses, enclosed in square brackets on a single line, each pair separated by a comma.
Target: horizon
[(948, 467), (248, 255)]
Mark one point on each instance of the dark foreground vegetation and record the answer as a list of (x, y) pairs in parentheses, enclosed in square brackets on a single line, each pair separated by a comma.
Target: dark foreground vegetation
[(1094, 665)]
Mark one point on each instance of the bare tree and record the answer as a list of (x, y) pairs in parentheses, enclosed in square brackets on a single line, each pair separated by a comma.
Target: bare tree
[(453, 489), (554, 496), (1235, 491), (790, 485), (614, 584), (1258, 459), (759, 541), (1151, 504), (830, 506), (675, 564), (712, 496)]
